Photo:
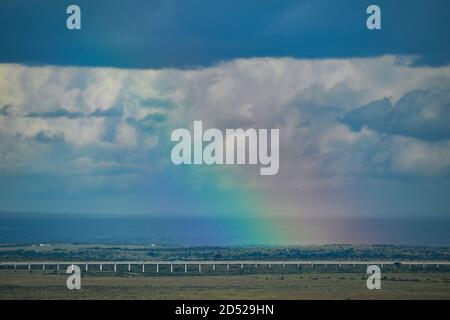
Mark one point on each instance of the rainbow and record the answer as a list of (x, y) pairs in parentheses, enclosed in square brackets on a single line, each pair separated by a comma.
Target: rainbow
[(233, 215)]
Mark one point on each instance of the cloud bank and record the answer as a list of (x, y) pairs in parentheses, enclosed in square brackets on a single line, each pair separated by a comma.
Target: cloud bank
[(344, 123)]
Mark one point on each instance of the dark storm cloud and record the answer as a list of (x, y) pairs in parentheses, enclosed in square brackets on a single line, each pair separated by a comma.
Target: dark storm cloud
[(158, 103), (149, 123), (48, 137), (158, 34), (108, 113), (4, 110), (59, 113), (63, 113), (421, 114)]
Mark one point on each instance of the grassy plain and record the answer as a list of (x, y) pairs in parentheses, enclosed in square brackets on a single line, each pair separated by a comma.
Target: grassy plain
[(290, 282), (21, 284)]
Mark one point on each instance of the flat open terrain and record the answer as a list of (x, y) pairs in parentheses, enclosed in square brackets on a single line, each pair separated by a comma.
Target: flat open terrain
[(290, 282), (21, 284)]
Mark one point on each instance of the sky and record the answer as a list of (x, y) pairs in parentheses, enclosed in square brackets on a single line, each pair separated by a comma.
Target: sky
[(185, 34), (364, 116)]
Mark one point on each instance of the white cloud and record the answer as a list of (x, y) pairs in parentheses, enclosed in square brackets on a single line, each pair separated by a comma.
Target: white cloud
[(126, 135), (304, 98), (412, 157)]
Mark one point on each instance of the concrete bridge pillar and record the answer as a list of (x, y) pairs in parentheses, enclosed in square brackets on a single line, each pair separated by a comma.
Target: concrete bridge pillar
[(101, 267), (143, 267), (29, 266), (214, 266), (157, 268), (228, 266), (199, 267), (185, 268), (115, 267), (171, 268), (242, 266), (43, 267), (129, 267), (87, 267), (57, 267)]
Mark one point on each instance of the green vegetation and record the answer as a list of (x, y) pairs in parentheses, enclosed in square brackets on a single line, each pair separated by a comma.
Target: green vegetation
[(153, 252)]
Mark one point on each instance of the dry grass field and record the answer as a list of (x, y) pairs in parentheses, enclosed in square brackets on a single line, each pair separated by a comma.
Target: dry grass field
[(21, 284)]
